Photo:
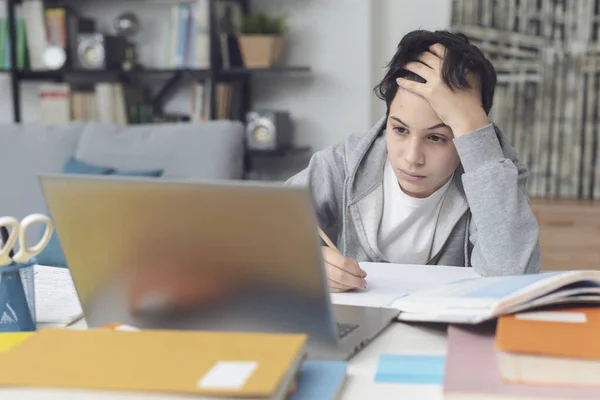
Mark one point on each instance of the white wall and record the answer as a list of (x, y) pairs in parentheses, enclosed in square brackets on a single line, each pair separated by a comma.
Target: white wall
[(333, 38), (392, 19)]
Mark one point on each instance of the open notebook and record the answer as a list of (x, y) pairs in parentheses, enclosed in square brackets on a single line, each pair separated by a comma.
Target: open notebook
[(387, 282), (474, 300)]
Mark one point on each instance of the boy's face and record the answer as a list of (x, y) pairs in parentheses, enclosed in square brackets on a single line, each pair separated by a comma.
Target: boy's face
[(419, 145)]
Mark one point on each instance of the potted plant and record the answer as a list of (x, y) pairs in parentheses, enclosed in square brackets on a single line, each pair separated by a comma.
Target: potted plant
[(261, 40)]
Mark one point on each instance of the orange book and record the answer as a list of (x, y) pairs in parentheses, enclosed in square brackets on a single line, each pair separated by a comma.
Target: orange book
[(558, 346), (569, 332)]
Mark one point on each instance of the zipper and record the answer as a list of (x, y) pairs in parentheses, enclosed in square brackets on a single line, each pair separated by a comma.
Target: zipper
[(453, 226), (357, 235)]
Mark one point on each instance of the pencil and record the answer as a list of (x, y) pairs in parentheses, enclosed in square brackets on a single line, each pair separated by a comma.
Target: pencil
[(332, 246), (327, 241)]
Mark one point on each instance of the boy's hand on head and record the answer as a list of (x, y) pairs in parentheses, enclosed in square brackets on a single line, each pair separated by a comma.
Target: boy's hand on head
[(460, 109), (343, 273)]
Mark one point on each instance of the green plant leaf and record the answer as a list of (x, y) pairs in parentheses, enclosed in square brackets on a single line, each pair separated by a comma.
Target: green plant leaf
[(259, 23)]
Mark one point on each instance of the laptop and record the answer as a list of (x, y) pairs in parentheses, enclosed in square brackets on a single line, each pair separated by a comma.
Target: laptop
[(203, 255)]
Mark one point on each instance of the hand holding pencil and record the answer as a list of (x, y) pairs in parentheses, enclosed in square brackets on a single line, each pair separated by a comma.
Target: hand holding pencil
[(344, 274)]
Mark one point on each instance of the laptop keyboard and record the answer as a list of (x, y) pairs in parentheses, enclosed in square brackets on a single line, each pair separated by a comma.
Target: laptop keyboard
[(345, 329)]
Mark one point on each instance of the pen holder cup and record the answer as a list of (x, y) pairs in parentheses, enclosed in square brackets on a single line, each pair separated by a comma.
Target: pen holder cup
[(17, 298)]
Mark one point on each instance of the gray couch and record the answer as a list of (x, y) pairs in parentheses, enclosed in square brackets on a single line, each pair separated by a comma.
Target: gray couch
[(212, 150)]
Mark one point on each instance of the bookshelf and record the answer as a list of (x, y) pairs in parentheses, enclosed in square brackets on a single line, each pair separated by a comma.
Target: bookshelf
[(168, 79)]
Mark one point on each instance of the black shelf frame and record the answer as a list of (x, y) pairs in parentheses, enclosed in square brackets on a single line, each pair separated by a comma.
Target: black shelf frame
[(172, 78)]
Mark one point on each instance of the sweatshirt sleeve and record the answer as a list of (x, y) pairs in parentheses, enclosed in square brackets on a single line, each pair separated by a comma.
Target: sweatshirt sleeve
[(503, 231), (325, 179)]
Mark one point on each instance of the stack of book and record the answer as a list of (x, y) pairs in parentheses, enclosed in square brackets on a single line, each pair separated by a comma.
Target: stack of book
[(479, 365)]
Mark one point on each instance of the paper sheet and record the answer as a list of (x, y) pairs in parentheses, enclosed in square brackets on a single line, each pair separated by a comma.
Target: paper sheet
[(56, 301), (388, 282)]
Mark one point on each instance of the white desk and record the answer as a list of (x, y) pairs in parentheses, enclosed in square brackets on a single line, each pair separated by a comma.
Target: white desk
[(398, 338)]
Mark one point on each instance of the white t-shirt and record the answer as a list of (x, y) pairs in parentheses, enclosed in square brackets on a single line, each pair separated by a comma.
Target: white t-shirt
[(408, 223)]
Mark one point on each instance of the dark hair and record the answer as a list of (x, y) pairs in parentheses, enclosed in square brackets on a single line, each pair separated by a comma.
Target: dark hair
[(461, 57)]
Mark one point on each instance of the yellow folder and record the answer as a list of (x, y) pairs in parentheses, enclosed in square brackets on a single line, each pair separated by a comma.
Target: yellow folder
[(216, 364)]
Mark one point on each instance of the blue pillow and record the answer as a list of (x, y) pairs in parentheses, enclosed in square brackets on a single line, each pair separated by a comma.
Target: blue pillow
[(53, 255), (150, 173), (74, 166)]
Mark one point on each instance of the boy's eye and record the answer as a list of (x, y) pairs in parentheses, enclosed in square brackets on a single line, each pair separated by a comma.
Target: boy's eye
[(437, 138)]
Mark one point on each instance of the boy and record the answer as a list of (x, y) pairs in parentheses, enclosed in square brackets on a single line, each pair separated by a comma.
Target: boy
[(434, 182)]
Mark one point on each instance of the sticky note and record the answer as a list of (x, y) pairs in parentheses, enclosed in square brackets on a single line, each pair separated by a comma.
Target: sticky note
[(415, 369), (228, 375), (9, 340)]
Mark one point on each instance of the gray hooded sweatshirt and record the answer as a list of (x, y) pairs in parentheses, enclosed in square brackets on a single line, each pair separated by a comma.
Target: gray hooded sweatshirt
[(485, 220)]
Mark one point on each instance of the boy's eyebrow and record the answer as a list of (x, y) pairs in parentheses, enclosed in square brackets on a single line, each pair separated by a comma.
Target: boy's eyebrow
[(440, 125), (398, 120)]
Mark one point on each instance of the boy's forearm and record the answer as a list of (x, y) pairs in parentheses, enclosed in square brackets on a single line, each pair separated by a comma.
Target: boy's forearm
[(504, 229)]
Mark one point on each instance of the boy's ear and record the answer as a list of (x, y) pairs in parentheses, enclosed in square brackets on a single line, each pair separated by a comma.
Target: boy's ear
[(474, 80)]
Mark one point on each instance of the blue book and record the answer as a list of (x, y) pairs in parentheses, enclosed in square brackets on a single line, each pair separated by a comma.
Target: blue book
[(182, 38), (320, 380)]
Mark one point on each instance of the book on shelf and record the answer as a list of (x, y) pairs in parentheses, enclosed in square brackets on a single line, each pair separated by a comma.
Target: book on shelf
[(20, 41), (229, 20), (54, 103), (478, 299), (228, 101), (104, 102), (187, 38), (34, 16)]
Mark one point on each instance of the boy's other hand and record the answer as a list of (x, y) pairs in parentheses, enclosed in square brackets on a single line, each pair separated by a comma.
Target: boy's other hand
[(460, 109), (343, 273)]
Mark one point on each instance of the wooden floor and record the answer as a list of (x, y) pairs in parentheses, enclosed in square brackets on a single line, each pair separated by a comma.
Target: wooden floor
[(569, 233)]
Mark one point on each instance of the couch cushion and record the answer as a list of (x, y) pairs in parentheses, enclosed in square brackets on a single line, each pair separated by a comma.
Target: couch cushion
[(25, 152), (212, 150)]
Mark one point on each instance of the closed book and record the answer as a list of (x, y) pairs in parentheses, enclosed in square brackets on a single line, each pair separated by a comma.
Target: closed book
[(558, 347), (205, 364), (320, 380)]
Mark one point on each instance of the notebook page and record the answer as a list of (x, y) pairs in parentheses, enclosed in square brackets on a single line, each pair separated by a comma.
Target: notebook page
[(387, 282), (56, 300)]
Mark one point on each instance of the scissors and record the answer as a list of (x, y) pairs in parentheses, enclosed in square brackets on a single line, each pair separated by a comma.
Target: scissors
[(13, 297), (17, 231)]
